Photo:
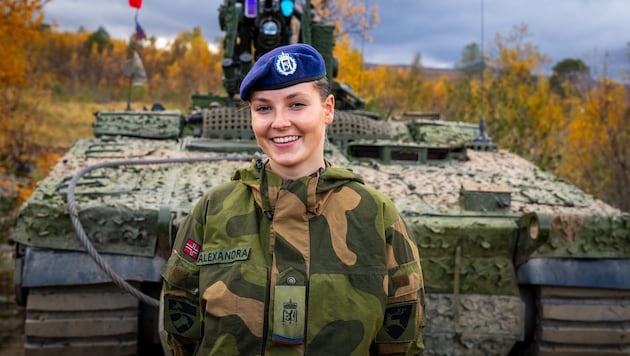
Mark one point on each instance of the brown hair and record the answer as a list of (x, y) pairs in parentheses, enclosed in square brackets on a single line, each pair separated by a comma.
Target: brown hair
[(323, 87)]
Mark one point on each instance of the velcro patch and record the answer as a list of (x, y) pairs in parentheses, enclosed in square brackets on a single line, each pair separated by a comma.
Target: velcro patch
[(191, 248), (223, 256), (399, 324), (289, 314), (181, 317)]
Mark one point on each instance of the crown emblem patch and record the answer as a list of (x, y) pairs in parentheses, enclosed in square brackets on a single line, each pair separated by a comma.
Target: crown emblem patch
[(285, 64)]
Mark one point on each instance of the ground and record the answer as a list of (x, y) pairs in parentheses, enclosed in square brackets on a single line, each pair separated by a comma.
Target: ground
[(11, 329), (11, 315)]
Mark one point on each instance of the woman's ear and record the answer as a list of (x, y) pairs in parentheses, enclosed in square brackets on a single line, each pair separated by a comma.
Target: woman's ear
[(329, 109)]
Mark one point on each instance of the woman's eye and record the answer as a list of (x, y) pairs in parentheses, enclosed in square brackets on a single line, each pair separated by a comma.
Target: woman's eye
[(262, 108), (297, 104)]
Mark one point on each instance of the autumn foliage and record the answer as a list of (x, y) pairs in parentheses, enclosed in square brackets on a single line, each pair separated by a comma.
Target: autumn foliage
[(573, 123), (578, 129), (20, 35)]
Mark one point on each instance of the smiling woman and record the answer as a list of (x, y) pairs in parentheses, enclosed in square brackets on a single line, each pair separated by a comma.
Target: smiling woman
[(289, 125), (289, 114), (293, 255)]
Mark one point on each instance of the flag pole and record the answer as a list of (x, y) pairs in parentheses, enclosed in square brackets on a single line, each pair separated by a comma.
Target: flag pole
[(129, 93), (130, 87)]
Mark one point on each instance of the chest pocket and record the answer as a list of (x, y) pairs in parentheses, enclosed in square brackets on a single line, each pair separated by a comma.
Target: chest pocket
[(348, 310), (234, 298)]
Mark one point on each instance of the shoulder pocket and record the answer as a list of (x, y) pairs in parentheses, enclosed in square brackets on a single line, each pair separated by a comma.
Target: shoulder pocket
[(181, 274)]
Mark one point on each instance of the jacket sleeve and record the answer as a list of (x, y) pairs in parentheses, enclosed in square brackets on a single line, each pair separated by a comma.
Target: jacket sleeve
[(182, 311), (403, 321)]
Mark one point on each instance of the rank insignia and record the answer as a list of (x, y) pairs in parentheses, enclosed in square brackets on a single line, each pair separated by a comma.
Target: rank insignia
[(289, 316)]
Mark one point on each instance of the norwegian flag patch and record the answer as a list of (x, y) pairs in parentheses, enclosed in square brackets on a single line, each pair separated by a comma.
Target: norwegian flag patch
[(192, 249)]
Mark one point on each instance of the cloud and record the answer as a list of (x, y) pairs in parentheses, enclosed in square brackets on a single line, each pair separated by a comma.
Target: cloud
[(438, 30)]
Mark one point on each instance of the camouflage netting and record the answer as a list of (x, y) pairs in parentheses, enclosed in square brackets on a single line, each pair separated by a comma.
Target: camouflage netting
[(146, 124), (117, 206), (480, 325), (531, 188), (444, 133), (581, 225)]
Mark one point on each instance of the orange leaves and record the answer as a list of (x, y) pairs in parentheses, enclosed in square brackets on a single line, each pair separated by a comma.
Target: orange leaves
[(46, 161), (439, 95), (580, 132), (191, 66), (597, 154), (350, 64), (21, 35), (19, 22), (513, 96), (349, 16)]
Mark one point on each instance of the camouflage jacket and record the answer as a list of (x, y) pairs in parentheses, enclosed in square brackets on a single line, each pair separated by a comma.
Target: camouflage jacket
[(321, 265)]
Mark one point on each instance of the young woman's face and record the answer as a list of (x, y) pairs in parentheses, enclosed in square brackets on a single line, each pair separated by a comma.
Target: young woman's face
[(289, 125)]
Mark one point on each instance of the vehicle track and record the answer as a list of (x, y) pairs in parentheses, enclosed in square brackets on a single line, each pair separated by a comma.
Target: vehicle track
[(95, 320), (583, 321)]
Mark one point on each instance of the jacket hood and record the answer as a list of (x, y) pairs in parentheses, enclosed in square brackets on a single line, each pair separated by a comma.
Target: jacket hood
[(332, 178)]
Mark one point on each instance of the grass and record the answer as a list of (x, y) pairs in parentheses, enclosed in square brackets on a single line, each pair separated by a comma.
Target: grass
[(56, 124), (64, 121)]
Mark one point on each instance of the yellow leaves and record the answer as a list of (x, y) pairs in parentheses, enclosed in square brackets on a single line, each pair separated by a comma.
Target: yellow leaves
[(440, 95), (20, 38), (19, 22), (192, 67), (46, 161), (349, 16), (599, 116), (597, 138), (350, 63), (514, 97)]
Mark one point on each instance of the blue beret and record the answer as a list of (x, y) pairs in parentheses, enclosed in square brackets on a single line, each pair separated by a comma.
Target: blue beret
[(282, 67)]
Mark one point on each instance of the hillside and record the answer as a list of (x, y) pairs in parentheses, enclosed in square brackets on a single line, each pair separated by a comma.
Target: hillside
[(429, 73)]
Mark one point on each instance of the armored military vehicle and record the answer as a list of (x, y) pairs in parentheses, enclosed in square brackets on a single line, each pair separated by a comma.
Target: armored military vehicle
[(515, 260)]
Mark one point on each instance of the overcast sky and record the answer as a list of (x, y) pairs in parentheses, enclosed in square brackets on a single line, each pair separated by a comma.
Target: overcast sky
[(438, 29)]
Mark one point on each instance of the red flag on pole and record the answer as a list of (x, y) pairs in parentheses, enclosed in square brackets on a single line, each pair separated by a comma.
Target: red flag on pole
[(135, 3)]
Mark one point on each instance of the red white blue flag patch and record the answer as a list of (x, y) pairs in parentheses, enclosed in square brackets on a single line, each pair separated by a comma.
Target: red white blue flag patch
[(192, 249)]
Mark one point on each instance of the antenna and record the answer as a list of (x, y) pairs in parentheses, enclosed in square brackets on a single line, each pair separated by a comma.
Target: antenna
[(482, 137), (481, 48), (367, 6)]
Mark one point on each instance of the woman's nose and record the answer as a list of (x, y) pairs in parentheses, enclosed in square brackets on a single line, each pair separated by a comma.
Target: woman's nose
[(280, 120)]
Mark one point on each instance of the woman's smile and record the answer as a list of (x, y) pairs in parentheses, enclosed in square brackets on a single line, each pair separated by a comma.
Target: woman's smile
[(285, 139)]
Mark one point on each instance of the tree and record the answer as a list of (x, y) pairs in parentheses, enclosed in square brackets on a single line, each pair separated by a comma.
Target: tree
[(521, 113), (351, 71), (471, 60), (514, 97), (414, 94), (191, 67), (569, 73), (597, 154), (350, 17), (99, 39), (19, 29), (461, 104), (20, 36)]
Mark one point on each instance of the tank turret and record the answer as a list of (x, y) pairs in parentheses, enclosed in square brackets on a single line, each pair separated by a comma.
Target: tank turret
[(254, 27)]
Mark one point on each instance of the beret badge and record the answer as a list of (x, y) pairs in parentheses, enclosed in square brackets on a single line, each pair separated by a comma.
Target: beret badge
[(283, 67), (285, 64)]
